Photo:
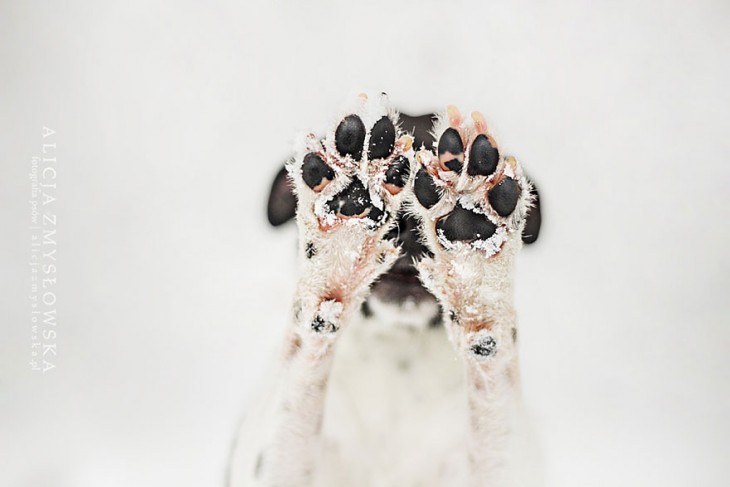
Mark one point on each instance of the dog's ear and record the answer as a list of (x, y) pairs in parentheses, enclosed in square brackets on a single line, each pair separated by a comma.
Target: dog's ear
[(534, 219), (282, 202)]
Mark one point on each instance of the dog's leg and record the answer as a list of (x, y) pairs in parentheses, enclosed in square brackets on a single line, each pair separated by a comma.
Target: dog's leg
[(291, 451), (349, 188), (472, 202)]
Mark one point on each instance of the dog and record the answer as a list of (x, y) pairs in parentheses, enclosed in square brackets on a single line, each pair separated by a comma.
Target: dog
[(400, 364)]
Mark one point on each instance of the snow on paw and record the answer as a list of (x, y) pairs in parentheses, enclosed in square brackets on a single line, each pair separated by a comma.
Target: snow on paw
[(349, 186), (356, 174), (469, 195), (472, 202)]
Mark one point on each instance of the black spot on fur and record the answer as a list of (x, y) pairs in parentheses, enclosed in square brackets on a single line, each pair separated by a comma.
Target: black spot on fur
[(365, 310), (425, 189), (398, 172), (483, 157), (318, 324), (485, 347), (436, 321), (382, 139), (350, 137), (310, 250), (453, 317), (314, 170), (503, 197), (321, 326), (450, 141), (465, 225)]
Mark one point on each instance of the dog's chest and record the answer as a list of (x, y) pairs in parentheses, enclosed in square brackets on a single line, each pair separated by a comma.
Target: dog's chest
[(395, 404)]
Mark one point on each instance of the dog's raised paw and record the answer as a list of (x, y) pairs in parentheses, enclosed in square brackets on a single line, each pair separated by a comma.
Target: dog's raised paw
[(350, 185), (355, 175), (472, 202), (470, 194)]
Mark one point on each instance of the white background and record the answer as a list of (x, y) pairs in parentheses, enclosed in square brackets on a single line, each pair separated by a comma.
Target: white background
[(171, 120)]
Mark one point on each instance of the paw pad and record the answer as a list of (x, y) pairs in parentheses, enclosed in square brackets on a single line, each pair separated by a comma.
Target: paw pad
[(462, 225), (382, 139), (425, 189), (352, 201), (503, 197), (315, 172), (398, 172), (451, 150), (470, 193), (358, 171), (350, 136), (483, 157)]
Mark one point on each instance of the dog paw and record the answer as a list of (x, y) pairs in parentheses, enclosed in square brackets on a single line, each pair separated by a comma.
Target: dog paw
[(356, 174), (350, 185), (472, 202)]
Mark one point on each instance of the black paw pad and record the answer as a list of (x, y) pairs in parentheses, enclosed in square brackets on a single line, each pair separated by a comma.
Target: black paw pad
[(382, 139), (484, 347), (354, 200), (350, 137), (454, 165), (398, 172), (503, 197), (314, 170), (425, 189), (483, 157), (465, 225), (451, 142), (376, 215)]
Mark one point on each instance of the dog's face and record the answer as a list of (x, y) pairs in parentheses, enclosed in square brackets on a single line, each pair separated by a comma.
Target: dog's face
[(399, 289)]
